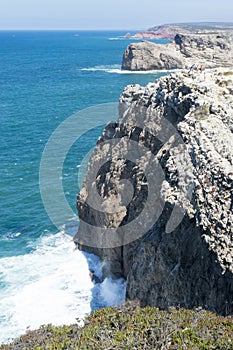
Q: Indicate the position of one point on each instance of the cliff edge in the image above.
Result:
(165, 178)
(210, 49)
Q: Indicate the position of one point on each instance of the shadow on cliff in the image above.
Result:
(178, 269)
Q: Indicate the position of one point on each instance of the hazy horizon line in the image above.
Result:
(73, 29)
(114, 29)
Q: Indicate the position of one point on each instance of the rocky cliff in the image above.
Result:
(210, 49)
(164, 177)
(169, 31)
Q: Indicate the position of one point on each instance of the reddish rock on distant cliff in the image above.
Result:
(169, 31)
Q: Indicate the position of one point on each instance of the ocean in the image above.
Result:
(45, 77)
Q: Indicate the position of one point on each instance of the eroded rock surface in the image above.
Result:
(208, 49)
(172, 148)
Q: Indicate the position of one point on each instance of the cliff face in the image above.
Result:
(208, 49)
(165, 178)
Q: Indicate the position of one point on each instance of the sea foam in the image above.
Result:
(51, 285)
(116, 68)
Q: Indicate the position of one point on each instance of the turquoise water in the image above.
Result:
(45, 77)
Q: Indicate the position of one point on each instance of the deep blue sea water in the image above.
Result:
(44, 78)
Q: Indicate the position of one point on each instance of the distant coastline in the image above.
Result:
(168, 31)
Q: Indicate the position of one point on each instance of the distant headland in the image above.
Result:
(169, 31)
(191, 45)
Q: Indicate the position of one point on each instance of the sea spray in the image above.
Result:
(109, 291)
(49, 285)
(52, 284)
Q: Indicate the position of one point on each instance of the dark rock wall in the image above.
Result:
(165, 222)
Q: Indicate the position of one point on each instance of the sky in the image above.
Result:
(109, 14)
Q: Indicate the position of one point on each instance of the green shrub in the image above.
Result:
(132, 327)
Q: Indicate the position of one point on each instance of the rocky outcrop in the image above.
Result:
(208, 49)
(169, 31)
(150, 56)
(164, 173)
